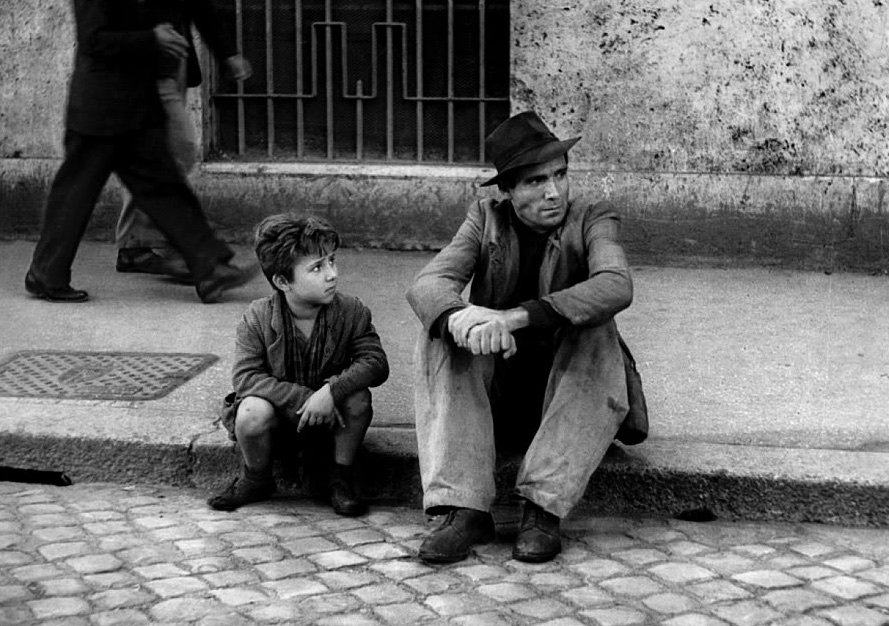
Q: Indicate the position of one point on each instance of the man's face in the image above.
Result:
(540, 196)
(313, 282)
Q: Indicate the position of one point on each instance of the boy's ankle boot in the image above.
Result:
(250, 486)
(344, 491)
(539, 538)
(460, 530)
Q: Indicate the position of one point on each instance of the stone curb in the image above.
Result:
(659, 478)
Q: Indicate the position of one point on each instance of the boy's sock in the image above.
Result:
(251, 486)
(344, 491)
(259, 475)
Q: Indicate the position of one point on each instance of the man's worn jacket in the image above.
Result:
(584, 274)
(352, 357)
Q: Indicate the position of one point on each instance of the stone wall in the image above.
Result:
(773, 87)
(745, 130)
(754, 128)
(36, 53)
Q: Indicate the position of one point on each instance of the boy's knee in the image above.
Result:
(357, 406)
(255, 416)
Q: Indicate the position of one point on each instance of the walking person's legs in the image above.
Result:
(147, 169)
(75, 189)
(141, 246)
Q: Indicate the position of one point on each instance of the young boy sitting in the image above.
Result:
(305, 358)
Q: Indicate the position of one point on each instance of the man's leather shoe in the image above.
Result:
(147, 261)
(54, 294)
(460, 530)
(539, 539)
(224, 277)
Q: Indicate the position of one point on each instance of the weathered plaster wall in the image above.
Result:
(797, 87)
(752, 129)
(36, 52)
(385, 211)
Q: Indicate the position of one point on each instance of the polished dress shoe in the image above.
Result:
(147, 261)
(224, 277)
(54, 294)
(538, 539)
(460, 530)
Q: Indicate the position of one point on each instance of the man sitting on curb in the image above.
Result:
(532, 362)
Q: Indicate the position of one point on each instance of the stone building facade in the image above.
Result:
(744, 130)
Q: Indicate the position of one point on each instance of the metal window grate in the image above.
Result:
(98, 375)
(374, 80)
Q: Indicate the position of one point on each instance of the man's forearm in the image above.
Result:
(516, 318)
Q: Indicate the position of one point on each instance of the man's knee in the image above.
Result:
(255, 416)
(358, 406)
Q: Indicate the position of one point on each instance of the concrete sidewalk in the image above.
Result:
(767, 389)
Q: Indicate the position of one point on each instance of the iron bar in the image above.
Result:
(473, 101)
(390, 78)
(239, 24)
(481, 80)
(450, 81)
(298, 26)
(328, 67)
(359, 121)
(303, 96)
(419, 74)
(270, 80)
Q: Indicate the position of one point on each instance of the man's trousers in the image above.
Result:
(583, 405)
(143, 162)
(134, 228)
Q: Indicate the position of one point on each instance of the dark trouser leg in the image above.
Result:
(134, 228)
(586, 400)
(147, 169)
(72, 197)
(517, 393)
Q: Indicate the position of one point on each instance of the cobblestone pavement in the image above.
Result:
(112, 554)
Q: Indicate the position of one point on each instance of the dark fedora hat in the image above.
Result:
(522, 140)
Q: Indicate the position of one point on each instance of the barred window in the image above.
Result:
(364, 80)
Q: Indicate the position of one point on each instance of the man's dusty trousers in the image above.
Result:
(455, 424)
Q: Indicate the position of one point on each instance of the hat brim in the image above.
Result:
(534, 156)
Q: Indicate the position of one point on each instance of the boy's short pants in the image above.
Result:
(286, 427)
(231, 403)
(295, 450)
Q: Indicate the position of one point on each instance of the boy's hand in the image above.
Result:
(319, 410)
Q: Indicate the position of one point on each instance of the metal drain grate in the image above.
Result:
(98, 375)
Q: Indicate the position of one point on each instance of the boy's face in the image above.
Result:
(313, 282)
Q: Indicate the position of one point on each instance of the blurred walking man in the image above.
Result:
(115, 123)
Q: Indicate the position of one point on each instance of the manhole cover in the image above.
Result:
(98, 375)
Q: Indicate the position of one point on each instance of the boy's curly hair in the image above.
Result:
(279, 239)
